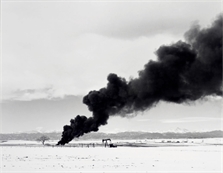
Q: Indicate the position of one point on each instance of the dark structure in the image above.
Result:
(111, 145)
(105, 141)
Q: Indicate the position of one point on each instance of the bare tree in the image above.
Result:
(43, 139)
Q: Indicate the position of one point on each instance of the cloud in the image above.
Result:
(192, 120)
(32, 94)
(145, 120)
(68, 20)
(85, 66)
(133, 20)
(71, 47)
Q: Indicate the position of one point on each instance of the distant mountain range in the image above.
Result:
(180, 130)
(120, 135)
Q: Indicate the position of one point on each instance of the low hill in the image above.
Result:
(120, 135)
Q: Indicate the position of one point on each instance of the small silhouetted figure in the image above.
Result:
(106, 141)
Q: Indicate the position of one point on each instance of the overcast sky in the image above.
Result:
(54, 53)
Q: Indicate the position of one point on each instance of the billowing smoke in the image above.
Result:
(183, 72)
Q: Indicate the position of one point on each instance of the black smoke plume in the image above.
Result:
(183, 72)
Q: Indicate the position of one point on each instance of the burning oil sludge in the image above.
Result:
(183, 72)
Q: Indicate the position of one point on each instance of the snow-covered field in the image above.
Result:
(201, 156)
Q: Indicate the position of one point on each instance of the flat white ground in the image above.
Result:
(171, 159)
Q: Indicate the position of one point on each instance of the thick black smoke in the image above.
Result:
(184, 71)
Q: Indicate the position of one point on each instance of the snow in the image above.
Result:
(174, 159)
